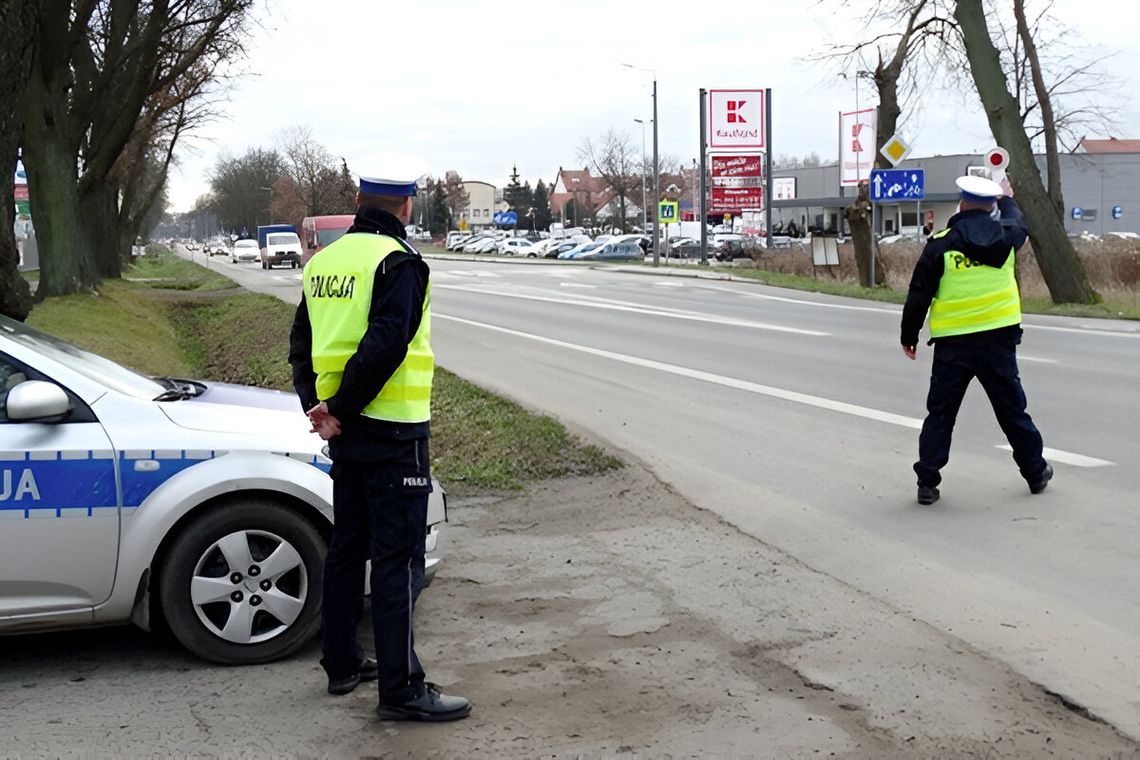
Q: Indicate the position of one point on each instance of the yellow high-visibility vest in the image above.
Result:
(338, 296)
(974, 297)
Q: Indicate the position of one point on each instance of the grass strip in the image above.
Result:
(480, 442)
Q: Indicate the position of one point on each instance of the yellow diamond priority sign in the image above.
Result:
(895, 150)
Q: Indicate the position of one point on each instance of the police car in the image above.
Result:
(124, 497)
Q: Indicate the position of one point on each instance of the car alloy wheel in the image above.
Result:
(249, 586)
(241, 582)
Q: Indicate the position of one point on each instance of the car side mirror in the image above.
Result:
(37, 401)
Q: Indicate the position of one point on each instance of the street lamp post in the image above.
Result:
(656, 170)
(644, 208)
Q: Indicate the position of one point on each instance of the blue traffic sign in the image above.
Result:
(892, 185)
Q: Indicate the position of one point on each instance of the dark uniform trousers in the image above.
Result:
(380, 513)
(993, 360)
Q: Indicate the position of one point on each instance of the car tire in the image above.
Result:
(275, 615)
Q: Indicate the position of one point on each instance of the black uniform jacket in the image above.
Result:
(398, 296)
(985, 241)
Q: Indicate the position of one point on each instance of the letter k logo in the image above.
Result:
(734, 108)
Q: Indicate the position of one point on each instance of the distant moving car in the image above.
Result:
(245, 250)
(215, 247)
(279, 244)
(126, 498)
(320, 231)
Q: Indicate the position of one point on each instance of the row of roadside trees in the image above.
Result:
(97, 95)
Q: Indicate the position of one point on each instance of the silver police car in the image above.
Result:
(123, 497)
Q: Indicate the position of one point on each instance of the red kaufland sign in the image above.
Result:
(736, 199)
(736, 119)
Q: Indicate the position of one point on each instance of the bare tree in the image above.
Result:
(896, 80)
(17, 28)
(1062, 270)
(314, 174)
(1057, 85)
(457, 195)
(615, 160)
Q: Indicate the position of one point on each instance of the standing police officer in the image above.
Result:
(965, 277)
(362, 363)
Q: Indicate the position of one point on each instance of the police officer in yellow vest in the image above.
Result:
(966, 278)
(362, 363)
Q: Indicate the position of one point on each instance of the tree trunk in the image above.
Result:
(858, 216)
(50, 158)
(17, 29)
(1062, 270)
(1049, 125)
(99, 209)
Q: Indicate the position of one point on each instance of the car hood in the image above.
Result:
(225, 408)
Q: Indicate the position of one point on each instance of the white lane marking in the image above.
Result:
(576, 285)
(1083, 330)
(635, 308)
(1038, 359)
(709, 377)
(667, 284)
(1068, 457)
(466, 273)
(803, 301)
(878, 415)
(1086, 330)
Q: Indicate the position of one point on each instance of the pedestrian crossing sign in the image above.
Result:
(667, 212)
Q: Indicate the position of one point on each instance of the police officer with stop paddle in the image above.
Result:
(966, 278)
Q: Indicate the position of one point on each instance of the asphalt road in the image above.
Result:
(794, 417)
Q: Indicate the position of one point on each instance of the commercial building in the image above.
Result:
(1100, 186)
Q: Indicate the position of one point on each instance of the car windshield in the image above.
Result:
(245, 244)
(92, 366)
(330, 236)
(285, 238)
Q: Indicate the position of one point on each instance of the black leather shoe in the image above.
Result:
(431, 706)
(1040, 484)
(927, 494)
(369, 671)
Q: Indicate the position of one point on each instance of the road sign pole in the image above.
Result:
(703, 206)
(768, 165)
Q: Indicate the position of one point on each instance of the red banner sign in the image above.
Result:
(21, 192)
(737, 166)
(735, 199)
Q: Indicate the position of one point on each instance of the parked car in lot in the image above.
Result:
(579, 249)
(625, 250)
(517, 247)
(481, 244)
(456, 240)
(561, 247)
(245, 250)
(125, 497)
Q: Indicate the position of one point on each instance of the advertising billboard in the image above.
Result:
(856, 145)
(737, 171)
(733, 200)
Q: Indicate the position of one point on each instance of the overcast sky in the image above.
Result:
(478, 87)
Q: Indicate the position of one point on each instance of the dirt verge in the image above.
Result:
(587, 617)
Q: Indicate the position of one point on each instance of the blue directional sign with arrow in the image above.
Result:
(893, 185)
